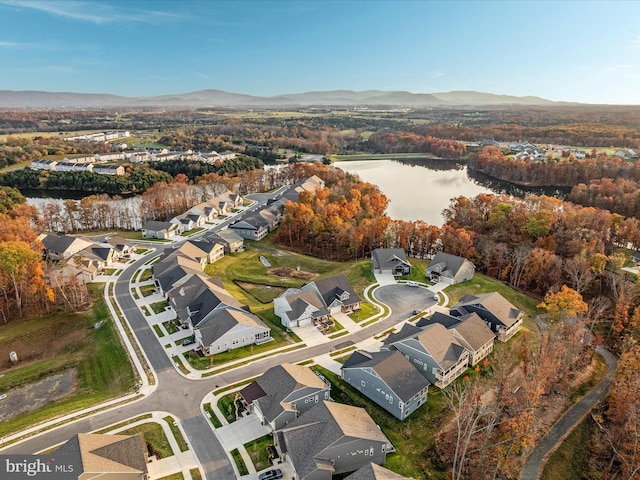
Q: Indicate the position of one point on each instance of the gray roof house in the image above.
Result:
(472, 332)
(390, 260)
(372, 471)
(283, 393)
(387, 378)
(227, 328)
(434, 351)
(331, 438)
(106, 456)
(172, 269)
(495, 310)
(62, 247)
(231, 241)
(337, 294)
(298, 308)
(450, 269)
(251, 227)
(161, 230)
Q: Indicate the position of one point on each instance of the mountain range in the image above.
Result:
(220, 98)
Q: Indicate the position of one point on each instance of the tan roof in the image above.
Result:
(441, 344)
(304, 376)
(474, 331)
(355, 422)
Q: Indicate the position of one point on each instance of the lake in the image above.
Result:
(417, 190)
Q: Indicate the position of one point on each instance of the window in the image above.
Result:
(362, 383)
(326, 395)
(366, 452)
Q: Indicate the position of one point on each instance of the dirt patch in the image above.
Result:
(288, 272)
(34, 396)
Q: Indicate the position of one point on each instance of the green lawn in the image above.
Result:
(257, 450)
(227, 407)
(147, 290)
(177, 434)
(366, 311)
(193, 232)
(170, 326)
(102, 364)
(174, 476)
(242, 468)
(195, 474)
(159, 307)
(158, 331)
(154, 436)
(412, 458)
(145, 275)
(212, 415)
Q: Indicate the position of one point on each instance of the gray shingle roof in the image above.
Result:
(217, 323)
(393, 368)
(494, 303)
(279, 382)
(407, 330)
(331, 288)
(385, 258)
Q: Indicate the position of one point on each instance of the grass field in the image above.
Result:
(570, 460)
(154, 435)
(65, 341)
(257, 450)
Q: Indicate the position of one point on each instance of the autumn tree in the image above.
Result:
(563, 303)
(21, 275)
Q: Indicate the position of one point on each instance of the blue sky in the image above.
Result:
(584, 51)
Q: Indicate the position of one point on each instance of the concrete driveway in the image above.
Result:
(385, 278)
(241, 431)
(403, 299)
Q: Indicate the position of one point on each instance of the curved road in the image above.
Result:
(181, 397)
(563, 427)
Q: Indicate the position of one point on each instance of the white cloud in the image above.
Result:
(15, 45)
(202, 75)
(94, 12)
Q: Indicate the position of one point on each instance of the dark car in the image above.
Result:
(415, 312)
(188, 341)
(269, 474)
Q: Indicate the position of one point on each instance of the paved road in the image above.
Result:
(563, 427)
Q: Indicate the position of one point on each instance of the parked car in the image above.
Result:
(415, 312)
(188, 341)
(270, 474)
(412, 284)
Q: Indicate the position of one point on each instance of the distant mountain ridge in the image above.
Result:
(219, 98)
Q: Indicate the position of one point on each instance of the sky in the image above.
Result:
(580, 51)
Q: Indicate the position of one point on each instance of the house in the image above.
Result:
(74, 167)
(331, 438)
(109, 156)
(62, 247)
(194, 296)
(470, 330)
(387, 378)
(201, 251)
(283, 393)
(337, 294)
(390, 260)
(160, 230)
(120, 246)
(297, 308)
(251, 227)
(450, 269)
(230, 240)
(309, 185)
(109, 169)
(433, 350)
(272, 214)
(371, 471)
(504, 319)
(626, 154)
(172, 269)
(230, 198)
(206, 210)
(189, 221)
(106, 456)
(635, 257)
(229, 328)
(40, 164)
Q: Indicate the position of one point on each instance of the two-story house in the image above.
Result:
(504, 319)
(330, 439)
(283, 393)
(390, 260)
(433, 350)
(297, 308)
(387, 378)
(450, 269)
